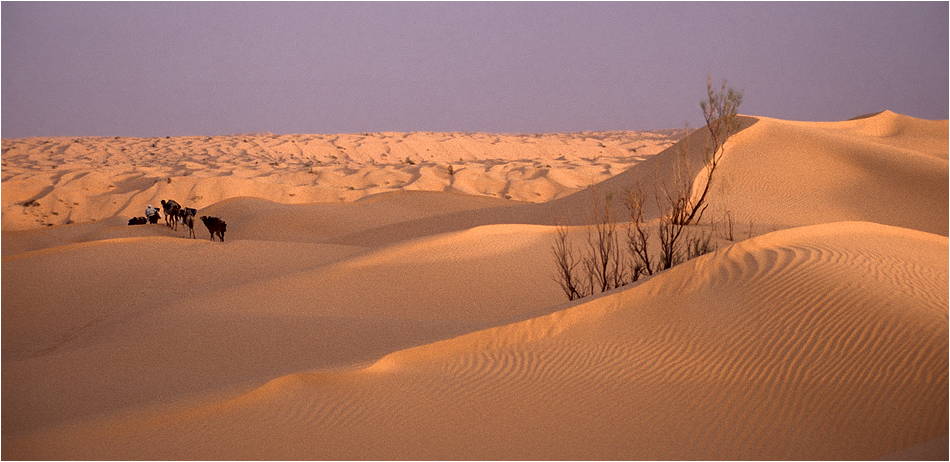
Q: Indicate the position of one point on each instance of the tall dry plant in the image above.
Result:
(638, 235)
(569, 275)
(680, 206)
(604, 266)
(670, 232)
(605, 259)
(720, 111)
(601, 264)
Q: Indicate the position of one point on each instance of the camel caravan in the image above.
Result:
(176, 215)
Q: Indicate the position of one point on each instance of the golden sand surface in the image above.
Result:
(390, 296)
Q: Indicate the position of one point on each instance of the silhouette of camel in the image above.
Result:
(188, 219)
(171, 209)
(215, 226)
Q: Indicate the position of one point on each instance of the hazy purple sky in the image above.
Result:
(158, 69)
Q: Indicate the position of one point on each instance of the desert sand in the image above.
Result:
(391, 296)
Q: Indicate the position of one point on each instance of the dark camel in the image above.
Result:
(172, 209)
(215, 226)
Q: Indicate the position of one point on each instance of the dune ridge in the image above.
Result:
(404, 323)
(774, 174)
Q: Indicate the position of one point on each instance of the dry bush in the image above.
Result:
(726, 228)
(638, 236)
(605, 259)
(604, 265)
(699, 245)
(720, 111)
(568, 274)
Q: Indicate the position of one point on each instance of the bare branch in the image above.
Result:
(638, 236)
(720, 110)
(567, 266)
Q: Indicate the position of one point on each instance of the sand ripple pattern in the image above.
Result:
(824, 342)
(784, 340)
(844, 329)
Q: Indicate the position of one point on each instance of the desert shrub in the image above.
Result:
(728, 229)
(638, 236)
(605, 260)
(699, 245)
(601, 264)
(569, 275)
(720, 111)
(604, 265)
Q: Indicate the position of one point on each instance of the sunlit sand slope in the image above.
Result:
(103, 325)
(774, 174)
(822, 342)
(888, 168)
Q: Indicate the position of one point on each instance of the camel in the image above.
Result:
(215, 226)
(188, 219)
(172, 210)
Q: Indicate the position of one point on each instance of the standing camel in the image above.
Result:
(172, 210)
(188, 219)
(215, 226)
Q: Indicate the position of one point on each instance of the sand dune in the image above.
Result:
(786, 337)
(775, 174)
(217, 302)
(889, 169)
(417, 319)
(55, 181)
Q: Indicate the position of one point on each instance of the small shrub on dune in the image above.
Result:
(638, 236)
(720, 111)
(605, 261)
(726, 228)
(603, 265)
(699, 245)
(569, 274)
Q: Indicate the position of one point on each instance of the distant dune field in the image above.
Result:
(390, 296)
(55, 181)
